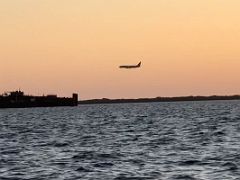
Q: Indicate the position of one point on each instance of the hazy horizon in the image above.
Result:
(61, 47)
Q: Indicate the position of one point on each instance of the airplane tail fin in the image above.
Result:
(139, 64)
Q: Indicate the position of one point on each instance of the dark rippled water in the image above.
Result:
(185, 140)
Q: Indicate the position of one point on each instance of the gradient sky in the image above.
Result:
(187, 47)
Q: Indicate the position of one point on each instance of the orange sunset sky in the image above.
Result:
(187, 47)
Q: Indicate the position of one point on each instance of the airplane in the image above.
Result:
(131, 66)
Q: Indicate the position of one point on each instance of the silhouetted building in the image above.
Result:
(17, 99)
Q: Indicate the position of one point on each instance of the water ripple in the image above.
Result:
(184, 140)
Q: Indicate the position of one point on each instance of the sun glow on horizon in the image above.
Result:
(186, 47)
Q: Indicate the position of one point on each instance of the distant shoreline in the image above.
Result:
(160, 99)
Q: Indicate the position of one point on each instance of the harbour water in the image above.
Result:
(183, 140)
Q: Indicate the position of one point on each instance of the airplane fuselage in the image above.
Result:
(131, 66)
